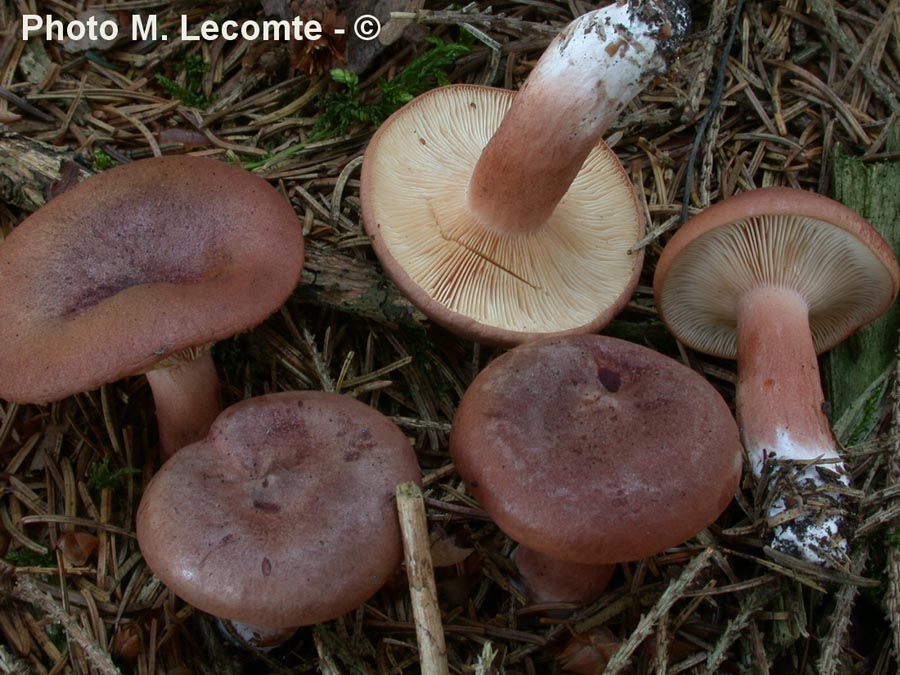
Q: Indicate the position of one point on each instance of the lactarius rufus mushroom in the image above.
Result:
(139, 270)
(284, 515)
(591, 451)
(772, 277)
(504, 216)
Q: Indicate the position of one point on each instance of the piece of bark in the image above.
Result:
(871, 189)
(29, 169)
(354, 286)
(31, 172)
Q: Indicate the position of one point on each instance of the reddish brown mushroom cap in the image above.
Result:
(595, 450)
(284, 515)
(137, 263)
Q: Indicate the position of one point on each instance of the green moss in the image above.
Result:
(103, 161)
(25, 557)
(345, 107)
(893, 539)
(190, 93)
(101, 476)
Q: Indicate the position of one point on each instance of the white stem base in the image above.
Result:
(821, 536)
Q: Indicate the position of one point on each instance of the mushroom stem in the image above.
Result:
(580, 85)
(779, 392)
(781, 418)
(549, 579)
(187, 401)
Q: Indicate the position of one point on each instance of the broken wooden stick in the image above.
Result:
(422, 588)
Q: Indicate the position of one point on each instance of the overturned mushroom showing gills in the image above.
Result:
(139, 270)
(772, 277)
(284, 515)
(593, 450)
(504, 216)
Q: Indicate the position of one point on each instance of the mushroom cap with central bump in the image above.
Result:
(285, 514)
(595, 450)
(776, 237)
(135, 264)
(573, 274)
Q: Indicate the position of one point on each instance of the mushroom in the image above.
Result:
(504, 216)
(772, 277)
(284, 514)
(139, 270)
(591, 450)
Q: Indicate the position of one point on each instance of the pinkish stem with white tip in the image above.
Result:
(578, 88)
(780, 413)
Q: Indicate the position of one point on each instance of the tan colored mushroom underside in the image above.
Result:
(574, 273)
(843, 281)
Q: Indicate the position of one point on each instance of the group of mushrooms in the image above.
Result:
(507, 220)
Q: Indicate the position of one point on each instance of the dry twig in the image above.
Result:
(419, 570)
